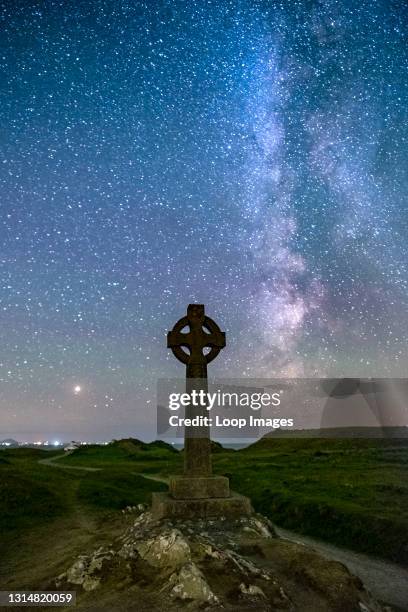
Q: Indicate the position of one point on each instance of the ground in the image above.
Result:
(348, 492)
(218, 564)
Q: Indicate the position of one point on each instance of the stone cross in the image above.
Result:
(197, 493)
(202, 333)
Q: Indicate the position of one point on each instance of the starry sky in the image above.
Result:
(249, 155)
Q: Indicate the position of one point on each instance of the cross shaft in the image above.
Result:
(197, 448)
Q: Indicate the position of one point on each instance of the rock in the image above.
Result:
(90, 583)
(97, 561)
(217, 562)
(142, 520)
(76, 573)
(245, 566)
(259, 527)
(80, 574)
(252, 590)
(203, 549)
(168, 549)
(85, 571)
(189, 583)
(127, 551)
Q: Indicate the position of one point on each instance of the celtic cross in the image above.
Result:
(188, 347)
(203, 333)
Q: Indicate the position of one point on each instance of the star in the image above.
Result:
(250, 156)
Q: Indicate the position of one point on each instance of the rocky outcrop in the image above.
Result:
(190, 584)
(230, 565)
(86, 570)
(167, 549)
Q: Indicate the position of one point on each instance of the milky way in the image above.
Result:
(248, 155)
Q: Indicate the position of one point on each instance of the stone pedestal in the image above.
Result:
(198, 487)
(199, 497)
(165, 506)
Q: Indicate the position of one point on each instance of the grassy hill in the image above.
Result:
(350, 491)
(49, 514)
(33, 492)
(353, 492)
(142, 455)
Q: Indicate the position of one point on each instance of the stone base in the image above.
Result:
(165, 506)
(202, 487)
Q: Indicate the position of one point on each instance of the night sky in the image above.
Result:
(248, 155)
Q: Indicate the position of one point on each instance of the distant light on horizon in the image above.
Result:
(77, 389)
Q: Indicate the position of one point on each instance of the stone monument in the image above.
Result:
(197, 493)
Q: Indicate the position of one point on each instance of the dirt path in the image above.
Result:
(49, 546)
(51, 462)
(387, 581)
(82, 518)
(153, 477)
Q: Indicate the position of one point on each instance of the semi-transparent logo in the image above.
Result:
(252, 408)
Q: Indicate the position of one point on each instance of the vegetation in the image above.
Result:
(353, 492)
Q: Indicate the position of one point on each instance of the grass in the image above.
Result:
(350, 492)
(28, 492)
(114, 490)
(31, 492)
(49, 515)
